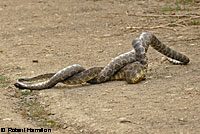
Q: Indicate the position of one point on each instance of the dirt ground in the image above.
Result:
(43, 36)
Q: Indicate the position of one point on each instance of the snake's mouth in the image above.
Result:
(140, 77)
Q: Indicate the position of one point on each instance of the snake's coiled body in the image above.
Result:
(130, 66)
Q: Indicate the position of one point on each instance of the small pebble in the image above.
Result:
(7, 119)
(35, 61)
(163, 59)
(124, 120)
(65, 126)
(107, 109)
(168, 76)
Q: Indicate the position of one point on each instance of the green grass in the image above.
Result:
(25, 93)
(2, 78)
(184, 1)
(169, 8)
(194, 22)
(4, 85)
(187, 1)
(33, 110)
(4, 82)
(176, 8)
(178, 5)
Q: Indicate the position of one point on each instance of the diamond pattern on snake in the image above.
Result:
(131, 67)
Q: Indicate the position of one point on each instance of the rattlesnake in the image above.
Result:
(130, 66)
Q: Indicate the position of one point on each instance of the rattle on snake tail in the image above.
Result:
(131, 66)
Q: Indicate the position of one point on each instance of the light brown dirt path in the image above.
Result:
(8, 116)
(59, 33)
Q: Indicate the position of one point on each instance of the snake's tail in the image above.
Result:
(42, 77)
(173, 61)
(51, 82)
(34, 82)
(173, 56)
(35, 86)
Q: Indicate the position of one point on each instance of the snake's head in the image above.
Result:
(18, 85)
(135, 75)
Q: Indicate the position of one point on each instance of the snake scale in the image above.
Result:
(131, 66)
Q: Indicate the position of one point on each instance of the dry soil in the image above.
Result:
(43, 36)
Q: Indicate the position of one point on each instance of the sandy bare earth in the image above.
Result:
(43, 36)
